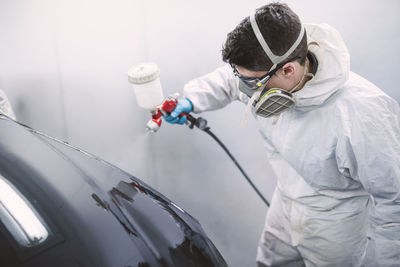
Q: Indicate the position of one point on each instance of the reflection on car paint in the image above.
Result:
(20, 218)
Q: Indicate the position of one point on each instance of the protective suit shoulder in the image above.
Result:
(5, 106)
(366, 99)
(365, 110)
(212, 91)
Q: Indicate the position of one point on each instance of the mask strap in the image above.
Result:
(274, 58)
(305, 74)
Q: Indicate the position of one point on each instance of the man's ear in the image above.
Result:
(288, 69)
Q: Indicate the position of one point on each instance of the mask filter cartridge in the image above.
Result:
(273, 102)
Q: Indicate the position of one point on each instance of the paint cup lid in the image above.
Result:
(143, 73)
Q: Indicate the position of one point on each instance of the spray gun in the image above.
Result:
(166, 107)
(145, 79)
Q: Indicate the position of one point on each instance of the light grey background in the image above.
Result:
(64, 63)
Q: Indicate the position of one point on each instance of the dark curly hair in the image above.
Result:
(280, 27)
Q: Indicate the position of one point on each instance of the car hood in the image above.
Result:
(162, 233)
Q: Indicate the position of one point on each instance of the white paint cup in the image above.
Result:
(145, 78)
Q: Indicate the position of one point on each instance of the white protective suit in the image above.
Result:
(336, 156)
(5, 106)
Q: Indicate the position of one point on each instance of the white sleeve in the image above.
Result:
(5, 106)
(212, 91)
(370, 152)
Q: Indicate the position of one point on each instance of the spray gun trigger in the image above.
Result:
(190, 120)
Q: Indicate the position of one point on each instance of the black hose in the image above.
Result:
(202, 125)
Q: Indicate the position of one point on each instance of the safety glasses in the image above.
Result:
(253, 82)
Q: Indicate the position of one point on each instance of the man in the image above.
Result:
(5, 107)
(333, 140)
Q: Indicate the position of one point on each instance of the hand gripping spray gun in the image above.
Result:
(145, 79)
(166, 107)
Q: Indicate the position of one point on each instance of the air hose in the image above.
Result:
(201, 123)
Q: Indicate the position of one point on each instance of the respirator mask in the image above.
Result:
(269, 102)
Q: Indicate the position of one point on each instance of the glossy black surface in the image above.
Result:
(98, 215)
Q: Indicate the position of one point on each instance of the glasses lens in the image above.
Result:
(250, 82)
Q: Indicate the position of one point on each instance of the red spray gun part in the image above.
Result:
(165, 109)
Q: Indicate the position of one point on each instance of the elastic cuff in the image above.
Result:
(191, 104)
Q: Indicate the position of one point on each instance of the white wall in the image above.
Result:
(64, 63)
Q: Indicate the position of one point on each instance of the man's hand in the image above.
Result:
(184, 106)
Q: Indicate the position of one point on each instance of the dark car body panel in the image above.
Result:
(97, 214)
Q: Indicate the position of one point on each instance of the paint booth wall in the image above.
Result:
(63, 65)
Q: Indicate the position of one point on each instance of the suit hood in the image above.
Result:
(333, 65)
